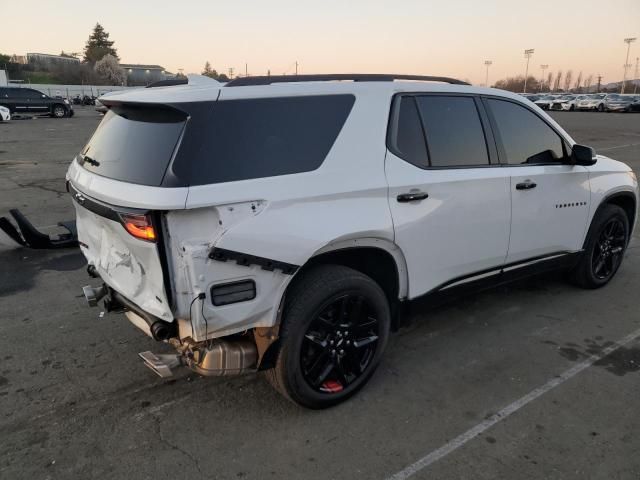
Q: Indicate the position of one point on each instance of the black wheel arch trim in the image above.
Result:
(608, 200)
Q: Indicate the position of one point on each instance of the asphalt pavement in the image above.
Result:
(536, 380)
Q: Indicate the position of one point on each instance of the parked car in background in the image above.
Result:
(619, 103)
(545, 101)
(100, 107)
(564, 102)
(5, 114)
(282, 227)
(531, 97)
(33, 102)
(593, 101)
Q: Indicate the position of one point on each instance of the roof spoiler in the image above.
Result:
(190, 79)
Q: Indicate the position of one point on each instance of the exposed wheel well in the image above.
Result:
(373, 262)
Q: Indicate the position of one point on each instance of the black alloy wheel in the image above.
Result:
(334, 330)
(339, 344)
(609, 248)
(604, 247)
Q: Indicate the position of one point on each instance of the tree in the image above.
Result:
(567, 80)
(98, 45)
(110, 70)
(578, 85)
(556, 84)
(69, 55)
(549, 80)
(587, 83)
(515, 84)
(213, 73)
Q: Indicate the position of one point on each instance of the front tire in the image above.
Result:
(335, 328)
(59, 111)
(604, 248)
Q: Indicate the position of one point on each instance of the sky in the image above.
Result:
(425, 37)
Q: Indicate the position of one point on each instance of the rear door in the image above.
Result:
(449, 198)
(549, 197)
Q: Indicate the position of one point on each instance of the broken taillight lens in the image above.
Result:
(139, 226)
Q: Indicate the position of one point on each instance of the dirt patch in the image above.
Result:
(620, 362)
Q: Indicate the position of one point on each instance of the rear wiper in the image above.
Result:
(89, 160)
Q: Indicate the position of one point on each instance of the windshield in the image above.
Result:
(134, 144)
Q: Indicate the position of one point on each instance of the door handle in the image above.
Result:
(412, 197)
(526, 185)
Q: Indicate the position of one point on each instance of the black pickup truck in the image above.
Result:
(33, 102)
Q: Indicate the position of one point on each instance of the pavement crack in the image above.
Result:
(172, 446)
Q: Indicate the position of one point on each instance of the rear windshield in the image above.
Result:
(264, 137)
(134, 144)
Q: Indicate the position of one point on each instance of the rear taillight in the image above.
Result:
(139, 226)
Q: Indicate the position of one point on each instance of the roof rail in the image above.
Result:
(356, 77)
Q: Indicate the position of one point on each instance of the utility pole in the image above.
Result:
(296, 67)
(487, 63)
(543, 68)
(230, 72)
(527, 54)
(628, 41)
(246, 70)
(269, 73)
(635, 77)
(599, 82)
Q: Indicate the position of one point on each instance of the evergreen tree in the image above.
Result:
(99, 45)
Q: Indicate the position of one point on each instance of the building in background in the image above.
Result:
(48, 60)
(138, 75)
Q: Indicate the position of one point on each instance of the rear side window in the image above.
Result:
(134, 144)
(409, 137)
(454, 132)
(265, 137)
(525, 137)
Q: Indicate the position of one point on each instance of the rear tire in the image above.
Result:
(335, 328)
(601, 108)
(604, 248)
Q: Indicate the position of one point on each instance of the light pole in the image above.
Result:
(487, 63)
(628, 41)
(635, 77)
(543, 68)
(527, 54)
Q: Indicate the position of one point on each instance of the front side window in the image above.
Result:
(32, 94)
(525, 137)
(454, 133)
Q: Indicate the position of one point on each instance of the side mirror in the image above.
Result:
(582, 155)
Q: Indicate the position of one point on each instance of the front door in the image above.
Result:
(450, 205)
(549, 197)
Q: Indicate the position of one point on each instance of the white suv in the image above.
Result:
(282, 223)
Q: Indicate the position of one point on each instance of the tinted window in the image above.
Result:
(526, 138)
(409, 140)
(264, 137)
(134, 144)
(453, 130)
(32, 93)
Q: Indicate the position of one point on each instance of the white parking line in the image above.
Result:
(470, 434)
(618, 146)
